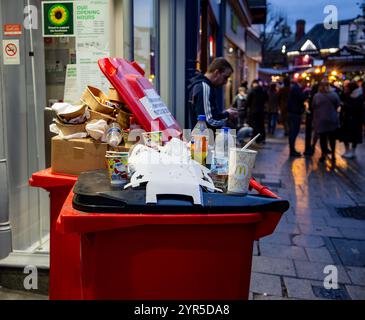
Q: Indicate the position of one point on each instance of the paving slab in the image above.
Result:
(319, 255)
(306, 219)
(265, 284)
(308, 241)
(282, 251)
(357, 275)
(299, 288)
(285, 227)
(352, 233)
(277, 238)
(345, 223)
(351, 252)
(319, 230)
(273, 266)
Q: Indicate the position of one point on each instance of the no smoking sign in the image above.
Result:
(11, 51)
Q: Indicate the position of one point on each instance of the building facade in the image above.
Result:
(169, 39)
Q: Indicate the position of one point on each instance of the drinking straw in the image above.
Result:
(250, 142)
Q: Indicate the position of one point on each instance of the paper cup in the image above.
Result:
(152, 139)
(241, 164)
(117, 167)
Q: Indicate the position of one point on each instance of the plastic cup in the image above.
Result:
(152, 139)
(241, 163)
(117, 167)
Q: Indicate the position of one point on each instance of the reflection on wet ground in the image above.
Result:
(312, 233)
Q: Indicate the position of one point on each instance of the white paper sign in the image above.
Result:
(71, 93)
(92, 42)
(159, 108)
(11, 51)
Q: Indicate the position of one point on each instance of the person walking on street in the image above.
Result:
(256, 101)
(239, 104)
(325, 117)
(351, 119)
(202, 95)
(283, 104)
(295, 110)
(273, 108)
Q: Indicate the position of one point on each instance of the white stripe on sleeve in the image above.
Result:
(207, 108)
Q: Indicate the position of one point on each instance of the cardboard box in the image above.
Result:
(77, 155)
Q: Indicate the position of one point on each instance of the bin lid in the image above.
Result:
(141, 97)
(93, 193)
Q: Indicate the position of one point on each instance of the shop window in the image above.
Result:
(146, 37)
(59, 52)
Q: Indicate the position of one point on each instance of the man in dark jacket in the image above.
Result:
(202, 96)
(256, 100)
(295, 110)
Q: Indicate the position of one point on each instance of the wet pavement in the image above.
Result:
(325, 225)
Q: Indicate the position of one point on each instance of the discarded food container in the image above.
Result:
(96, 99)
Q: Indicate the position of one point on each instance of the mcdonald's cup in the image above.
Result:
(241, 163)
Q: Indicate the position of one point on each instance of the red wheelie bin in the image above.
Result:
(64, 273)
(185, 253)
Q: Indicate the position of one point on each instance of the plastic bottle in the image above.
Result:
(200, 140)
(220, 163)
(224, 141)
(114, 135)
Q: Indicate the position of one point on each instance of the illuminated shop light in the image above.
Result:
(211, 46)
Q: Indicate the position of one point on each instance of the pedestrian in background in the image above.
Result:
(256, 101)
(273, 108)
(295, 111)
(325, 118)
(239, 104)
(202, 95)
(283, 104)
(351, 119)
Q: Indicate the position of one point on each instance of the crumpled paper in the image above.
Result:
(97, 129)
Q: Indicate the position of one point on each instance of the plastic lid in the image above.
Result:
(202, 117)
(225, 129)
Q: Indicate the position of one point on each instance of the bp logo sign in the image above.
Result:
(58, 18)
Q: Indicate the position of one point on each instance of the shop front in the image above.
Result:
(234, 52)
(347, 63)
(56, 65)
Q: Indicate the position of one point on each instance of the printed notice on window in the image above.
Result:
(92, 42)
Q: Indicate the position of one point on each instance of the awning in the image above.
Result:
(275, 72)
